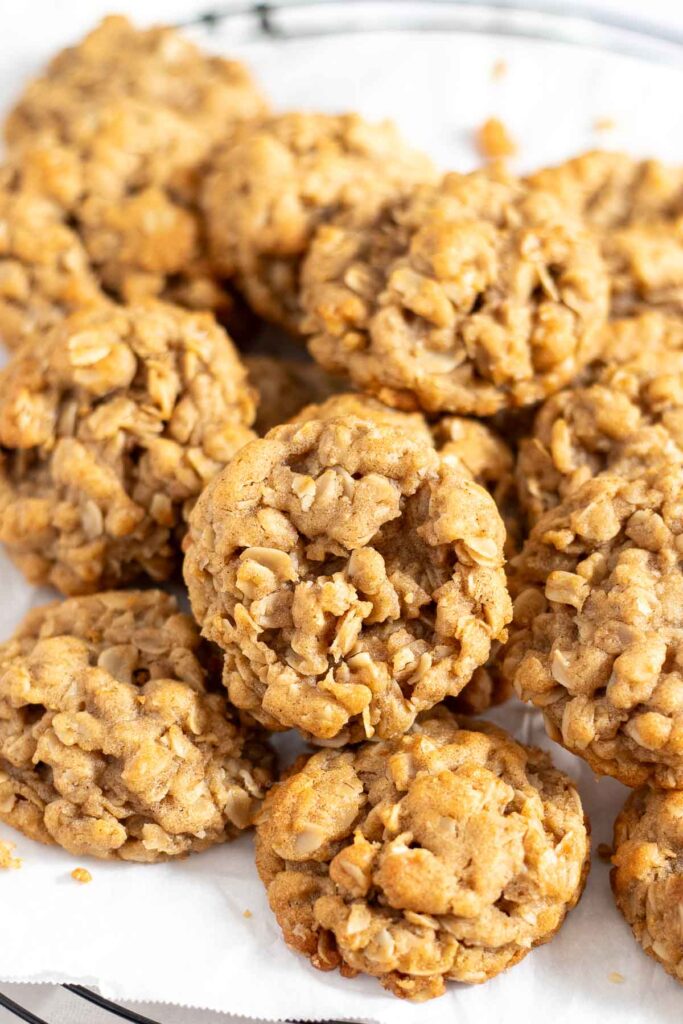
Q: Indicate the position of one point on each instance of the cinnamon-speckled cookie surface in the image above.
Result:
(598, 625)
(110, 426)
(117, 129)
(352, 576)
(267, 191)
(471, 296)
(647, 878)
(110, 743)
(447, 854)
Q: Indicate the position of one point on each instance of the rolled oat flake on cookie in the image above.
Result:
(352, 576)
(446, 854)
(111, 745)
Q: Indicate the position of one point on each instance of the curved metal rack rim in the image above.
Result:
(584, 25)
(616, 33)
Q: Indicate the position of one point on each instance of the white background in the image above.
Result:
(557, 989)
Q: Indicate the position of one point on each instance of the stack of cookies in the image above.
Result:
(473, 487)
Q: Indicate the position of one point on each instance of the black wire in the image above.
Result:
(105, 1004)
(20, 1011)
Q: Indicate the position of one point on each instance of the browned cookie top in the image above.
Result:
(109, 429)
(446, 854)
(647, 879)
(471, 296)
(352, 577)
(277, 181)
(110, 744)
(626, 417)
(598, 624)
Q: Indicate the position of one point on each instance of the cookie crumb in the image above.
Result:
(81, 875)
(604, 124)
(605, 852)
(247, 914)
(616, 978)
(494, 140)
(8, 861)
(499, 69)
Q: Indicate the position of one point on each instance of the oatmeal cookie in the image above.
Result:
(365, 407)
(270, 188)
(44, 269)
(613, 190)
(119, 128)
(476, 452)
(284, 387)
(647, 878)
(628, 419)
(471, 296)
(156, 65)
(482, 454)
(446, 854)
(598, 628)
(110, 743)
(637, 208)
(109, 429)
(645, 262)
(352, 577)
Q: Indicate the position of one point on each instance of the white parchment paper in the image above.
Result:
(177, 933)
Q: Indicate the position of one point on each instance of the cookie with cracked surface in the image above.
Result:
(597, 624)
(118, 129)
(352, 577)
(109, 429)
(446, 854)
(284, 387)
(471, 296)
(110, 743)
(613, 190)
(636, 206)
(44, 270)
(156, 65)
(647, 877)
(269, 189)
(629, 417)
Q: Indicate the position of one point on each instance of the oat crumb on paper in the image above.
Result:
(604, 124)
(247, 914)
(81, 875)
(616, 978)
(494, 141)
(499, 69)
(7, 859)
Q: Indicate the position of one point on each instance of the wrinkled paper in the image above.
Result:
(178, 933)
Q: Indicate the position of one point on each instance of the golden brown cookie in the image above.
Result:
(284, 387)
(365, 407)
(267, 192)
(44, 269)
(647, 878)
(637, 208)
(110, 743)
(613, 190)
(597, 625)
(110, 426)
(352, 577)
(471, 296)
(118, 128)
(156, 65)
(447, 854)
(629, 417)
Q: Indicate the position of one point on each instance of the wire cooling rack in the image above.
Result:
(292, 19)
